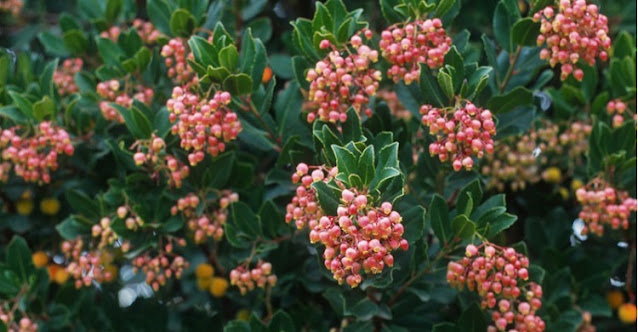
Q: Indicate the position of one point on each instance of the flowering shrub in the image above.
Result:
(411, 165)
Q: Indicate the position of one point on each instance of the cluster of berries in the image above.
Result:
(176, 53)
(24, 325)
(163, 266)
(247, 279)
(577, 32)
(205, 125)
(11, 6)
(396, 108)
(146, 31)
(57, 273)
(84, 266)
(206, 222)
(206, 280)
(460, 133)
(360, 236)
(500, 277)
(33, 157)
(111, 93)
(64, 76)
(152, 154)
(304, 208)
(107, 235)
(343, 79)
(407, 45)
(604, 205)
(517, 161)
(574, 141)
(617, 108)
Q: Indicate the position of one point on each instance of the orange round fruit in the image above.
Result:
(267, 75)
(627, 313)
(218, 286)
(40, 259)
(615, 298)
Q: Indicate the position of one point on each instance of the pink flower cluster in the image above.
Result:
(343, 79)
(304, 208)
(577, 32)
(618, 109)
(146, 31)
(110, 92)
(212, 218)
(84, 266)
(407, 45)
(204, 125)
(604, 205)
(176, 54)
(247, 279)
(11, 6)
(460, 133)
(152, 154)
(163, 266)
(64, 77)
(107, 235)
(24, 325)
(360, 236)
(500, 277)
(34, 155)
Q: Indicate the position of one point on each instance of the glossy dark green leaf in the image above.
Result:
(439, 218)
(19, 258)
(525, 31)
(182, 23)
(328, 200)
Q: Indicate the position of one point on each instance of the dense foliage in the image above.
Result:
(401, 165)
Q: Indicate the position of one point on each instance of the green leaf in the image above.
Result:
(245, 220)
(462, 227)
(228, 57)
(182, 23)
(203, 51)
(446, 84)
(81, 203)
(505, 15)
(19, 258)
(454, 59)
(328, 200)
(501, 223)
(443, 7)
(46, 78)
(218, 173)
(75, 41)
(472, 319)
(430, 88)
(70, 228)
(439, 218)
(414, 223)
(351, 129)
(43, 108)
(261, 28)
(366, 165)
(13, 113)
(23, 104)
(110, 52)
(281, 322)
(53, 45)
(238, 84)
(525, 31)
(113, 9)
(346, 160)
(518, 97)
(471, 194)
